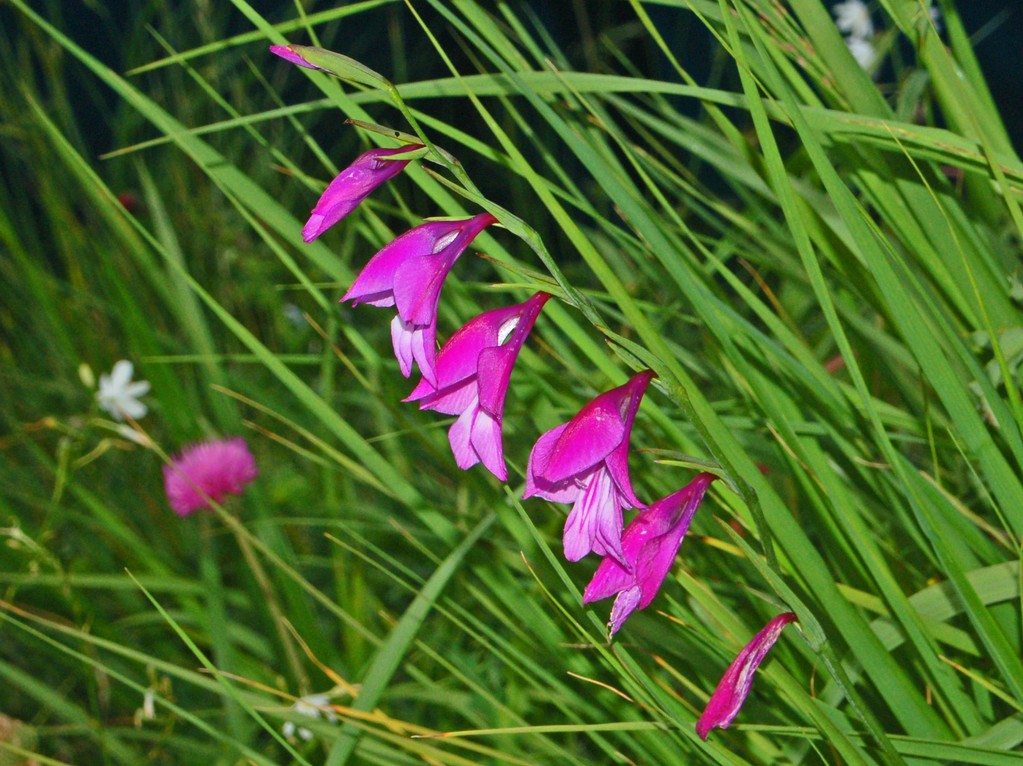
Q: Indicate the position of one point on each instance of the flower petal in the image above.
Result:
(587, 439)
(417, 285)
(459, 436)
(120, 376)
(401, 340)
(375, 285)
(624, 606)
(540, 456)
(595, 522)
(486, 441)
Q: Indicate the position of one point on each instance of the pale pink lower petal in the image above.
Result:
(486, 441)
(594, 520)
(459, 436)
(624, 605)
(401, 339)
(735, 685)
(424, 351)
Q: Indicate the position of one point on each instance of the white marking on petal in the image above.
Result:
(445, 240)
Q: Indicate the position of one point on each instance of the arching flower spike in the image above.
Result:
(473, 371)
(409, 274)
(649, 544)
(586, 462)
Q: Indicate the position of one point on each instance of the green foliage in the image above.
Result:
(822, 267)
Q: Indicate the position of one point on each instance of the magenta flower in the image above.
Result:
(409, 274)
(207, 471)
(351, 186)
(737, 681)
(288, 53)
(649, 544)
(586, 462)
(473, 370)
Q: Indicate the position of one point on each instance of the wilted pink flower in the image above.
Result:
(208, 471)
(288, 53)
(586, 462)
(409, 274)
(473, 371)
(650, 544)
(351, 186)
(735, 685)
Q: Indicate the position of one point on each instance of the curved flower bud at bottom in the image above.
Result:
(735, 685)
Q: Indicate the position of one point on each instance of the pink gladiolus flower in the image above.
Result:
(288, 53)
(735, 685)
(351, 186)
(473, 370)
(586, 462)
(208, 471)
(650, 544)
(409, 274)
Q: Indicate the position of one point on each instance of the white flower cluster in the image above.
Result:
(852, 18)
(313, 706)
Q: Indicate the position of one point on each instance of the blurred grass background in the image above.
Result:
(823, 267)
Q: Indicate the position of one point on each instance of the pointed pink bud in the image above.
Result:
(473, 371)
(649, 545)
(351, 186)
(586, 462)
(735, 685)
(288, 53)
(409, 274)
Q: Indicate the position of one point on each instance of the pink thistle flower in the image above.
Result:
(288, 53)
(586, 462)
(735, 685)
(650, 545)
(409, 274)
(351, 186)
(207, 471)
(473, 371)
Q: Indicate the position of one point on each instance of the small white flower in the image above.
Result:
(119, 396)
(862, 50)
(853, 18)
(313, 706)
